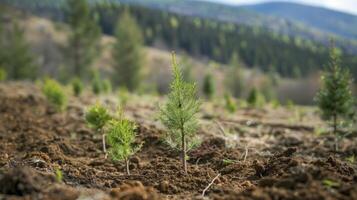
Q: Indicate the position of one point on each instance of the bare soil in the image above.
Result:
(260, 154)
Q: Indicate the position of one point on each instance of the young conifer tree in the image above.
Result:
(128, 53)
(179, 115)
(234, 79)
(97, 117)
(209, 86)
(17, 60)
(335, 98)
(121, 138)
(84, 40)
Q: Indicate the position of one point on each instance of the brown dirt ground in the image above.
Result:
(285, 159)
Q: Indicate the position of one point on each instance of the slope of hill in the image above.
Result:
(326, 20)
(308, 22)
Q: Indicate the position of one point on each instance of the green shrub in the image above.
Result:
(121, 138)
(179, 115)
(77, 87)
(55, 94)
(3, 74)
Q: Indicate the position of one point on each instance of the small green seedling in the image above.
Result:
(3, 74)
(55, 94)
(123, 96)
(59, 176)
(107, 86)
(179, 115)
(351, 159)
(229, 161)
(208, 87)
(255, 98)
(97, 117)
(330, 183)
(121, 138)
(77, 87)
(230, 105)
(96, 83)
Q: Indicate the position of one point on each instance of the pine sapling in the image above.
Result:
(96, 84)
(209, 86)
(97, 117)
(121, 138)
(77, 87)
(230, 105)
(335, 98)
(107, 86)
(55, 94)
(179, 115)
(3, 74)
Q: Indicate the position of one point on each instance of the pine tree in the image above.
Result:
(17, 60)
(234, 77)
(255, 98)
(97, 116)
(121, 138)
(209, 86)
(179, 115)
(335, 98)
(84, 41)
(127, 53)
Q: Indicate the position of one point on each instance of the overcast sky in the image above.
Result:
(342, 5)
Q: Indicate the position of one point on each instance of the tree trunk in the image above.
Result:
(183, 151)
(127, 166)
(104, 146)
(335, 131)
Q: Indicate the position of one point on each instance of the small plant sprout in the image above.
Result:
(59, 175)
(230, 105)
(335, 98)
(255, 98)
(3, 74)
(179, 115)
(209, 86)
(96, 83)
(97, 117)
(55, 94)
(107, 86)
(77, 87)
(123, 96)
(121, 138)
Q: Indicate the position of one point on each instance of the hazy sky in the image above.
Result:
(342, 5)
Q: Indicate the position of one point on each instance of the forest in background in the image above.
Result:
(290, 56)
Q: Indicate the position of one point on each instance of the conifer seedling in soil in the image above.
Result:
(335, 98)
(97, 117)
(55, 94)
(179, 115)
(77, 86)
(121, 138)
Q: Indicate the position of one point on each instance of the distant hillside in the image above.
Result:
(308, 22)
(327, 20)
